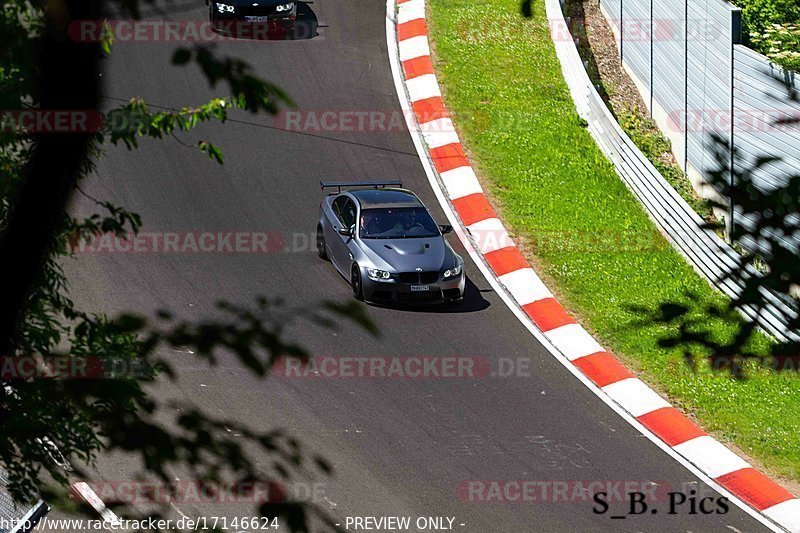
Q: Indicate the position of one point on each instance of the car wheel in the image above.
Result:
(321, 251)
(355, 282)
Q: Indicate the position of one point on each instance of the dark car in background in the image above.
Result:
(247, 17)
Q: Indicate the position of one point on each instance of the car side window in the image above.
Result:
(338, 208)
(349, 213)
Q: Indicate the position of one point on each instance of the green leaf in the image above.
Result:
(212, 151)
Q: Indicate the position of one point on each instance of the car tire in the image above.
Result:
(322, 252)
(355, 283)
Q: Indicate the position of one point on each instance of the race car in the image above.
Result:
(244, 17)
(382, 239)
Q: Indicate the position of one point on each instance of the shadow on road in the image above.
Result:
(473, 301)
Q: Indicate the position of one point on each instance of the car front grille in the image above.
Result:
(418, 277)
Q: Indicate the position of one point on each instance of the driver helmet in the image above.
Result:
(408, 219)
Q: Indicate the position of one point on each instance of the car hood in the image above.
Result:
(406, 255)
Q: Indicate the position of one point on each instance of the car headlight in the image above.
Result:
(284, 7)
(453, 272)
(225, 8)
(378, 275)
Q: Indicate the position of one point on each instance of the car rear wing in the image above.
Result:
(373, 184)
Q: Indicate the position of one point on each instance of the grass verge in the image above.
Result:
(579, 223)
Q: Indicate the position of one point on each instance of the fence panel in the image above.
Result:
(637, 24)
(669, 67)
(613, 12)
(700, 83)
(710, 66)
(764, 96)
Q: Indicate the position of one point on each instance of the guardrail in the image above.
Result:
(710, 256)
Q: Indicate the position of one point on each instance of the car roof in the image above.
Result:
(369, 198)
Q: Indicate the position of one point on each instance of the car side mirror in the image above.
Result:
(445, 228)
(347, 232)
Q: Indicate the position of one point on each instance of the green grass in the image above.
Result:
(591, 238)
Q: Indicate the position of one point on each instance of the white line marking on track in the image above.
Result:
(711, 455)
(462, 182)
(635, 397)
(86, 492)
(786, 513)
(440, 132)
(414, 47)
(411, 10)
(423, 87)
(525, 286)
(573, 341)
(489, 234)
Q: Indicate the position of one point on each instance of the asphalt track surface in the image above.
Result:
(399, 447)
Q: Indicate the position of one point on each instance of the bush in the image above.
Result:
(781, 43)
(772, 26)
(758, 15)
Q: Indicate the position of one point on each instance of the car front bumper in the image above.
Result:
(253, 18)
(394, 292)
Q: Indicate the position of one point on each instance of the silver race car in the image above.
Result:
(382, 238)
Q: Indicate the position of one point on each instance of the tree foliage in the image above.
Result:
(781, 43)
(48, 423)
(771, 26)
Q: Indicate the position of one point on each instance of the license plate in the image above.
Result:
(256, 19)
(420, 288)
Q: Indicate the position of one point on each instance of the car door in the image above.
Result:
(344, 210)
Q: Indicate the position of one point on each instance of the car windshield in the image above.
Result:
(397, 223)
